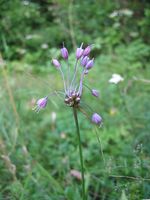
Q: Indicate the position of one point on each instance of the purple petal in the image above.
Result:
(86, 51)
(64, 53)
(96, 119)
(95, 93)
(84, 61)
(56, 63)
(90, 64)
(41, 103)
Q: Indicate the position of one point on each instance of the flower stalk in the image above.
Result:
(80, 151)
(73, 90)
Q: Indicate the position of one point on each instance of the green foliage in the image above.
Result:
(37, 151)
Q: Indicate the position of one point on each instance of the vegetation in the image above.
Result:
(38, 151)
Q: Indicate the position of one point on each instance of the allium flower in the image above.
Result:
(96, 119)
(72, 95)
(95, 93)
(87, 51)
(41, 104)
(79, 52)
(56, 63)
(64, 53)
(73, 89)
(84, 61)
(116, 78)
(90, 64)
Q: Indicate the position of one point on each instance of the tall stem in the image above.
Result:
(80, 151)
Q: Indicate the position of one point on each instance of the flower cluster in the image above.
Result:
(73, 89)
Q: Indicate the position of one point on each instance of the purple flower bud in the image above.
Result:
(96, 119)
(90, 64)
(79, 52)
(56, 63)
(86, 51)
(41, 103)
(95, 93)
(64, 53)
(84, 61)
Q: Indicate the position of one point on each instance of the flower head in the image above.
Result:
(79, 52)
(64, 53)
(41, 104)
(90, 64)
(56, 63)
(116, 78)
(95, 93)
(87, 51)
(84, 61)
(96, 119)
(73, 89)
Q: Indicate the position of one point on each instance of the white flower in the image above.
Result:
(53, 117)
(28, 37)
(44, 46)
(114, 14)
(26, 3)
(122, 12)
(126, 12)
(116, 78)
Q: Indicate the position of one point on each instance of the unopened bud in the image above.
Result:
(79, 52)
(84, 61)
(64, 53)
(56, 63)
(90, 64)
(95, 93)
(86, 51)
(96, 119)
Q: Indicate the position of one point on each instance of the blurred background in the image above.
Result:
(39, 151)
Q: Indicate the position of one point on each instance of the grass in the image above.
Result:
(38, 152)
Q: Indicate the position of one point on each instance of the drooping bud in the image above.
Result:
(96, 119)
(56, 63)
(84, 61)
(86, 51)
(90, 64)
(95, 93)
(41, 103)
(64, 53)
(79, 52)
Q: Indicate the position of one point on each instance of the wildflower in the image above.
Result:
(96, 119)
(53, 117)
(73, 90)
(64, 53)
(56, 63)
(29, 37)
(90, 64)
(116, 78)
(76, 174)
(63, 135)
(26, 3)
(79, 52)
(95, 93)
(44, 46)
(84, 61)
(41, 104)
(86, 51)
(72, 95)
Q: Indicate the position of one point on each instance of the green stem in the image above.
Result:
(80, 151)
